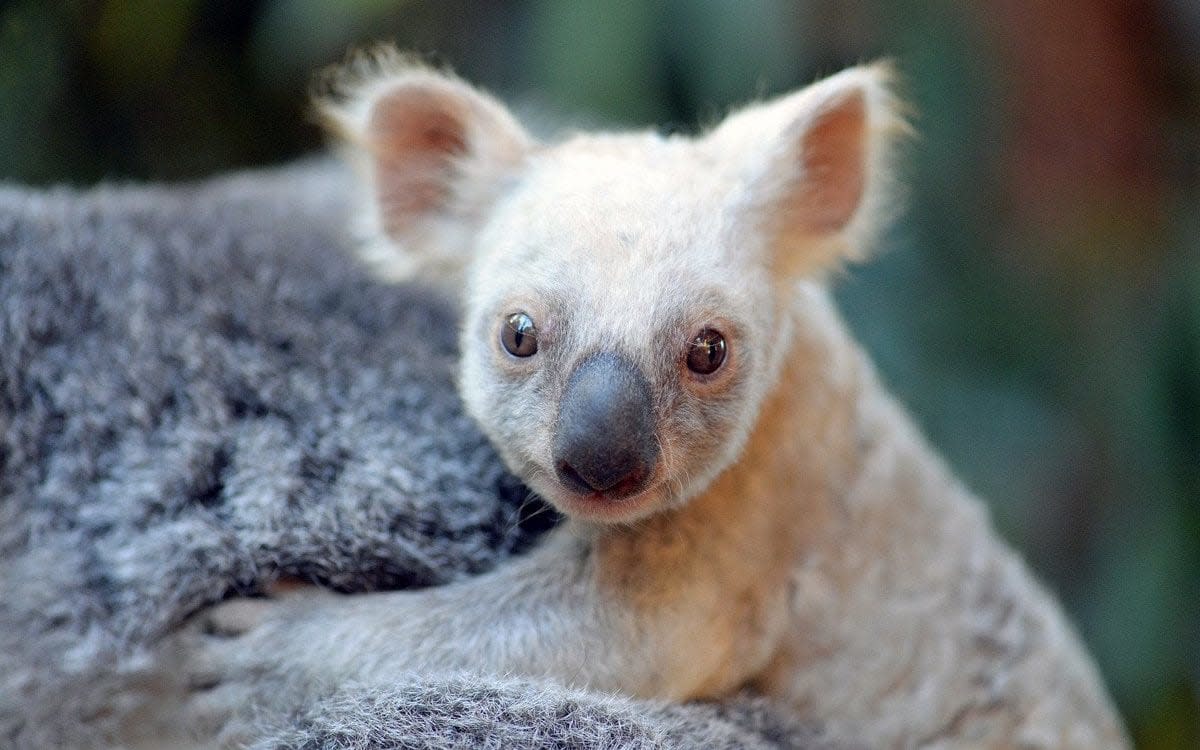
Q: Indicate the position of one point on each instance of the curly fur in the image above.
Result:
(464, 712)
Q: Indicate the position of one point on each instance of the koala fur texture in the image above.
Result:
(649, 344)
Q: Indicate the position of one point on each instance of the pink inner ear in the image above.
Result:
(833, 166)
(414, 135)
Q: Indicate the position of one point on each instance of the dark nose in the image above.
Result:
(605, 436)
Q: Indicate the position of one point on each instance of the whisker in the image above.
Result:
(530, 498)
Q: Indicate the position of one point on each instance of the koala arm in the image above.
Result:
(539, 616)
(551, 614)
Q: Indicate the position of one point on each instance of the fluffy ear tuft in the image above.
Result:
(814, 167)
(437, 151)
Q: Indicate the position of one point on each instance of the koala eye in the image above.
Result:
(706, 353)
(519, 335)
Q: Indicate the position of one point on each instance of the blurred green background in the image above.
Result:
(1038, 306)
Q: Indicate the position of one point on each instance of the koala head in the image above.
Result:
(626, 296)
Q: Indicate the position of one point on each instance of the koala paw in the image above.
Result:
(243, 660)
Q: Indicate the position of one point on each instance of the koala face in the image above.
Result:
(617, 331)
(626, 297)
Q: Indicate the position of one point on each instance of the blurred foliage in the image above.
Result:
(1038, 307)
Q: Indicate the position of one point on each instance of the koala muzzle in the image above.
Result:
(604, 441)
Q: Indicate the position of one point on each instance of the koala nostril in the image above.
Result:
(615, 483)
(568, 476)
(631, 483)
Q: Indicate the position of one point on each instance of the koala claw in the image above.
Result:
(230, 663)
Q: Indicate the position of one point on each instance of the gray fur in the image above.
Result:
(200, 392)
(464, 712)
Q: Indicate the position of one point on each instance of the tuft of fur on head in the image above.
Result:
(627, 244)
(416, 220)
(769, 176)
(342, 93)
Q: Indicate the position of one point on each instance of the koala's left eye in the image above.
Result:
(707, 351)
(519, 335)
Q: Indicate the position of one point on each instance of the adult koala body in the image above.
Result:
(649, 342)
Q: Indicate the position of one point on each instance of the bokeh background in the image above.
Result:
(1037, 307)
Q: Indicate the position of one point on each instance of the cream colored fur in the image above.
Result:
(798, 534)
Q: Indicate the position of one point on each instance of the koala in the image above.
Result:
(649, 341)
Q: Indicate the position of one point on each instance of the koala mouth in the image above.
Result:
(632, 497)
(611, 506)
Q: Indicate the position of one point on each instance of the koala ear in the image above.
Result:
(812, 168)
(437, 152)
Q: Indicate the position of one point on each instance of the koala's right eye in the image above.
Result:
(519, 336)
